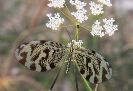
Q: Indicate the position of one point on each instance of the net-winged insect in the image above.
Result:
(45, 55)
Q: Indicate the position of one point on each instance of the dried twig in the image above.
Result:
(96, 87)
(39, 11)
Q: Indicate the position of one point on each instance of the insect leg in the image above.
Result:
(56, 77)
(68, 63)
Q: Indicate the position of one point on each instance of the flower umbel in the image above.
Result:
(54, 22)
(106, 2)
(97, 29)
(107, 28)
(56, 3)
(78, 4)
(80, 15)
(96, 9)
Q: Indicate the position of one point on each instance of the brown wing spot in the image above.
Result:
(35, 56)
(25, 43)
(47, 53)
(109, 66)
(82, 71)
(43, 58)
(95, 69)
(52, 65)
(33, 67)
(90, 74)
(51, 42)
(32, 48)
(93, 52)
(88, 77)
(104, 75)
(19, 49)
(87, 61)
(43, 41)
(95, 79)
(60, 44)
(24, 56)
(43, 68)
(105, 60)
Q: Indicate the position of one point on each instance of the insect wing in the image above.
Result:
(93, 66)
(40, 55)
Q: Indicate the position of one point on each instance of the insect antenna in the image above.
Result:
(68, 34)
(75, 35)
(56, 77)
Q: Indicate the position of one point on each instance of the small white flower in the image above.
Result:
(106, 2)
(75, 43)
(97, 29)
(54, 22)
(56, 3)
(96, 8)
(109, 27)
(78, 4)
(80, 15)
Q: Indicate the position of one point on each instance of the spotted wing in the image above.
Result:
(40, 55)
(93, 66)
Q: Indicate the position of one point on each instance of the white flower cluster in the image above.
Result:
(80, 14)
(75, 43)
(107, 28)
(55, 21)
(78, 4)
(97, 29)
(106, 2)
(56, 3)
(96, 8)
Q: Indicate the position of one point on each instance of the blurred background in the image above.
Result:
(24, 20)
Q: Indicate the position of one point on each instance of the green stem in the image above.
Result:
(68, 25)
(76, 37)
(89, 14)
(88, 87)
(85, 27)
(66, 15)
(86, 83)
(76, 32)
(70, 12)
